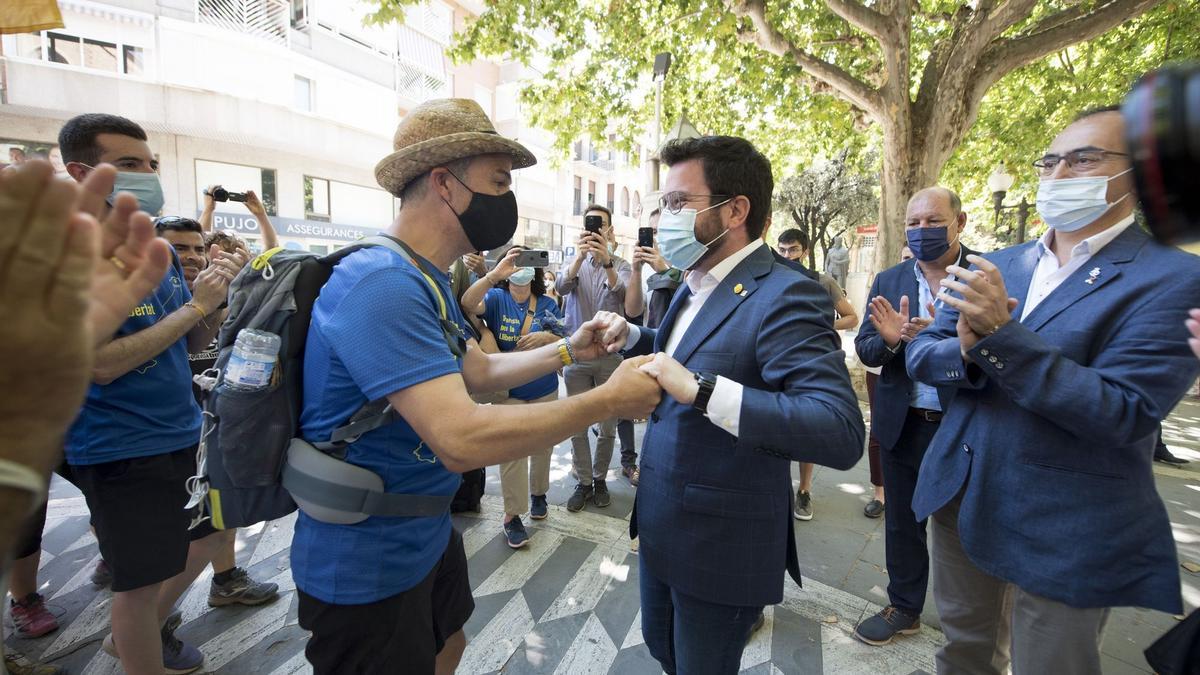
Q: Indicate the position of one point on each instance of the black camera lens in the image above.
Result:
(1162, 130)
(219, 194)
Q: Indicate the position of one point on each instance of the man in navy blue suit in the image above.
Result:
(906, 414)
(757, 380)
(1066, 353)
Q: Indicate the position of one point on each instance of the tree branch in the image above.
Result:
(1008, 15)
(861, 17)
(766, 37)
(1053, 33)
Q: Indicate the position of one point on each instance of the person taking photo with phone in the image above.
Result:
(512, 301)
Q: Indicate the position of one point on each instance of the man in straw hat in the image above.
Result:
(389, 593)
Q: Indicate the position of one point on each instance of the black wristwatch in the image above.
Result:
(608, 265)
(707, 382)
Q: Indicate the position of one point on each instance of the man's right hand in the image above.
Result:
(476, 263)
(254, 205)
(886, 320)
(211, 287)
(632, 394)
(209, 203)
(650, 256)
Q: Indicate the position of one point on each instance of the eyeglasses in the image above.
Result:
(1078, 160)
(673, 202)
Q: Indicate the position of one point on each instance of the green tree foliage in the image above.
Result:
(800, 78)
(825, 201)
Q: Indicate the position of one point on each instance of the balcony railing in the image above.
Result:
(266, 19)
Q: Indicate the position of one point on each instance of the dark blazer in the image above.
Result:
(893, 390)
(713, 509)
(1050, 436)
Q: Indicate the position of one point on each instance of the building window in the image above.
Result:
(578, 196)
(591, 192)
(612, 198)
(578, 150)
(71, 50)
(299, 14)
(304, 91)
(332, 201)
(237, 178)
(319, 249)
(624, 201)
(134, 60)
(316, 199)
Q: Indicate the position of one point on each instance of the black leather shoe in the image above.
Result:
(1166, 457)
(874, 509)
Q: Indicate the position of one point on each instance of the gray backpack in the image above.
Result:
(253, 467)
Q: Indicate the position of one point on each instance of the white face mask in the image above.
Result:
(677, 241)
(1070, 204)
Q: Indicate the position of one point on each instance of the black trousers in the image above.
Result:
(906, 544)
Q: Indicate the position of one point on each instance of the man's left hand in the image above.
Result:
(676, 380)
(984, 302)
(605, 334)
(255, 205)
(599, 249)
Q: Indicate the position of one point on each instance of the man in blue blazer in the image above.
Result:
(757, 381)
(906, 414)
(1066, 353)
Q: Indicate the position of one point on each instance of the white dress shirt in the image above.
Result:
(725, 404)
(1049, 275)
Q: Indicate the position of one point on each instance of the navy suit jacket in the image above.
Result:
(714, 509)
(1050, 437)
(894, 388)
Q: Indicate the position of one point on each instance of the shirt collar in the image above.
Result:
(699, 281)
(1091, 245)
(961, 262)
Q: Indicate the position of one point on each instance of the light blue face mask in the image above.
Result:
(1070, 204)
(522, 277)
(677, 237)
(145, 186)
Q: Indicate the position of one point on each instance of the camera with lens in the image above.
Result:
(220, 194)
(1162, 130)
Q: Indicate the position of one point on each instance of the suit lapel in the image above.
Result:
(723, 301)
(664, 329)
(1018, 274)
(1099, 271)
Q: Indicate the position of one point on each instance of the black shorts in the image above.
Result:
(403, 633)
(138, 512)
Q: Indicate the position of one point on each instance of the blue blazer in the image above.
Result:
(714, 509)
(1050, 437)
(894, 388)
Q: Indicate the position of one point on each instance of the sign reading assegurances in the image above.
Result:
(292, 227)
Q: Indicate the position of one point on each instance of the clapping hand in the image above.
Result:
(130, 262)
(916, 324)
(605, 334)
(887, 321)
(984, 305)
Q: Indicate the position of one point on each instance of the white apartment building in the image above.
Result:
(293, 99)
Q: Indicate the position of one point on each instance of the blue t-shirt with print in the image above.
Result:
(504, 317)
(375, 330)
(150, 410)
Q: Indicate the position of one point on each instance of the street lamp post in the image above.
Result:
(662, 64)
(1000, 182)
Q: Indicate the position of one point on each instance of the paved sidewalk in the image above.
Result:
(567, 603)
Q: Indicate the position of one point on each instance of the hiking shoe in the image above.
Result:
(887, 624)
(31, 617)
(803, 509)
(179, 657)
(873, 509)
(537, 507)
(102, 574)
(600, 493)
(631, 474)
(581, 496)
(19, 664)
(241, 589)
(514, 532)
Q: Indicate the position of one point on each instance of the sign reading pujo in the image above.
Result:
(291, 227)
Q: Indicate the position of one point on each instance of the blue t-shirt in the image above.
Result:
(376, 329)
(150, 410)
(505, 316)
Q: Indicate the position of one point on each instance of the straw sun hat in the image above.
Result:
(438, 132)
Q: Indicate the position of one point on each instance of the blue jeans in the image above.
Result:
(689, 635)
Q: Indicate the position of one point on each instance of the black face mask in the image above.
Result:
(490, 220)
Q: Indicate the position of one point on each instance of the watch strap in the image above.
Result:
(707, 382)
